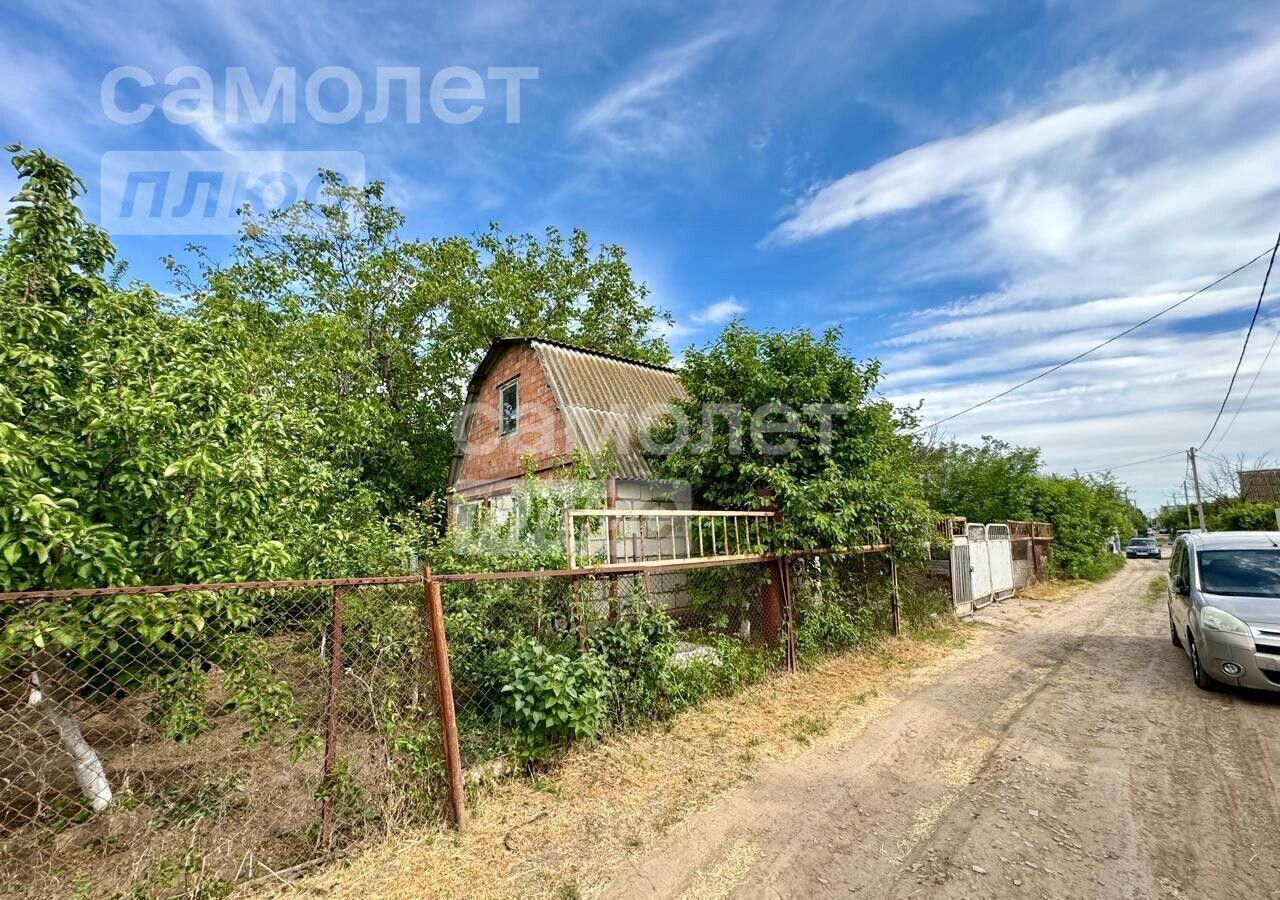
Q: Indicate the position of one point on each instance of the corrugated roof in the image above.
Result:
(607, 400)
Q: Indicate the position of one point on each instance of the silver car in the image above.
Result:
(1224, 607)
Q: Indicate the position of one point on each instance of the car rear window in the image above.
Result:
(1142, 542)
(1246, 573)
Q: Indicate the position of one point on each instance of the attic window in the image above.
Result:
(509, 405)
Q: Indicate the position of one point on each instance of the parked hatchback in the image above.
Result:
(1224, 607)
(1142, 547)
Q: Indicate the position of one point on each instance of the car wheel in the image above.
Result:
(1198, 674)
(1173, 632)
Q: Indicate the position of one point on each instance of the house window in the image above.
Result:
(509, 404)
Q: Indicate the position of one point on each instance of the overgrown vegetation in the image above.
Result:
(791, 419)
(998, 481)
(287, 417)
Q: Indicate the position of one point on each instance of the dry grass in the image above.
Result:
(1055, 590)
(567, 833)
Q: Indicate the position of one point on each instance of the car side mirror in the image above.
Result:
(1180, 586)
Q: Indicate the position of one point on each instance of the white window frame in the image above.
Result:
(503, 430)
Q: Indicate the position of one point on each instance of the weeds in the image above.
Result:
(1155, 593)
(804, 729)
(184, 806)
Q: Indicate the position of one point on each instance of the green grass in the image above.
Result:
(940, 635)
(1155, 593)
(805, 728)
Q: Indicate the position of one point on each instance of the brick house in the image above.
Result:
(535, 402)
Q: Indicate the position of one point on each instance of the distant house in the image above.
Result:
(534, 402)
(1260, 485)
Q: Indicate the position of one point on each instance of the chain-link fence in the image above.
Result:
(174, 741)
(538, 663)
(168, 741)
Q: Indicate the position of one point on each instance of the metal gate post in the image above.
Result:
(331, 718)
(448, 720)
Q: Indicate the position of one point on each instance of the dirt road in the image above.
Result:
(1075, 759)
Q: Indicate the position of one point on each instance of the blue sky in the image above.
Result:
(973, 191)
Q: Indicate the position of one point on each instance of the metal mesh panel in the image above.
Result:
(246, 730)
(176, 742)
(625, 649)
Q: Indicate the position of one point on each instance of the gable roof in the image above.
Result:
(605, 399)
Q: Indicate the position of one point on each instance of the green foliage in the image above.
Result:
(991, 483)
(923, 603)
(1174, 518)
(840, 604)
(828, 626)
(178, 704)
(726, 666)
(1084, 511)
(813, 436)
(638, 653)
(805, 728)
(181, 873)
(531, 536)
(263, 699)
(552, 699)
(998, 481)
(1244, 516)
(181, 806)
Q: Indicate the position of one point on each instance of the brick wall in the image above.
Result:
(493, 463)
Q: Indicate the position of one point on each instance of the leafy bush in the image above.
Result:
(638, 651)
(1245, 516)
(922, 602)
(998, 481)
(827, 626)
(727, 666)
(552, 699)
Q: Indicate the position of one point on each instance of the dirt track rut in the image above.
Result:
(1071, 758)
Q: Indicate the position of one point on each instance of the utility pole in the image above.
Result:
(1186, 501)
(1195, 477)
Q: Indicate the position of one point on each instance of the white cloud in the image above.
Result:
(719, 312)
(998, 164)
(1088, 216)
(644, 114)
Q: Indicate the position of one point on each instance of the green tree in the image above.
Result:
(999, 481)
(378, 332)
(792, 417)
(1084, 512)
(991, 483)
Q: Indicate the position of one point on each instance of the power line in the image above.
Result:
(1140, 462)
(1256, 309)
(1222, 437)
(1110, 340)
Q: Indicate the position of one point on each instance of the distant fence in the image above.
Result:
(334, 711)
(1029, 544)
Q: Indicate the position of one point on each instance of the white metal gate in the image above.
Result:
(982, 566)
(1000, 555)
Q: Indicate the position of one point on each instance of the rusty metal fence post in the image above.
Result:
(788, 614)
(332, 698)
(895, 607)
(448, 718)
